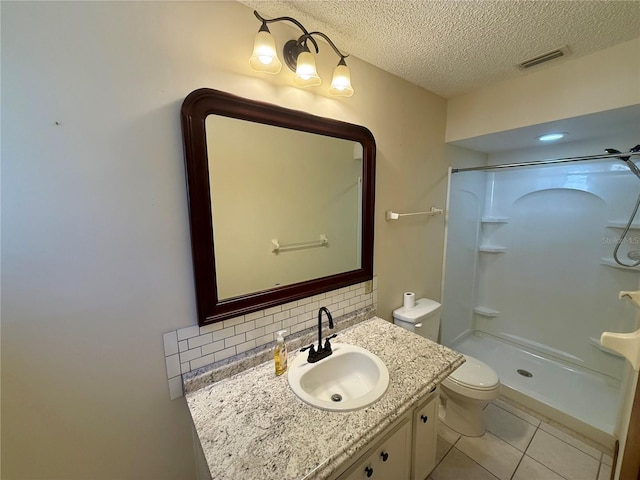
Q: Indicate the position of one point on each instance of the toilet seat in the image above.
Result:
(473, 378)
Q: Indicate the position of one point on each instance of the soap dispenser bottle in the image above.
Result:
(280, 354)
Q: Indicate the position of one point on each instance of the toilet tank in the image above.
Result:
(423, 318)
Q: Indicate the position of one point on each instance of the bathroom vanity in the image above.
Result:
(252, 426)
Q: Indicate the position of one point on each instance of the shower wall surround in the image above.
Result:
(194, 347)
(466, 201)
(538, 243)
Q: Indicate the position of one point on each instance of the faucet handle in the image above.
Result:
(313, 355)
(327, 344)
(311, 348)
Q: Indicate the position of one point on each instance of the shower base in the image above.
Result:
(580, 399)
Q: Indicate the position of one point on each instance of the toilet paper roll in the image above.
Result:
(409, 299)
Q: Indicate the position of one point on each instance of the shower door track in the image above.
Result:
(616, 156)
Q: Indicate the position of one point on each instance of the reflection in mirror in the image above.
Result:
(281, 203)
(295, 188)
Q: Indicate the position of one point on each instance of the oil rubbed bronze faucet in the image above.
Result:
(323, 351)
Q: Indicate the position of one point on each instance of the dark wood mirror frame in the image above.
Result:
(195, 109)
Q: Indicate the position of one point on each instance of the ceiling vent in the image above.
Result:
(545, 57)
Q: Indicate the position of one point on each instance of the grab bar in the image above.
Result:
(390, 215)
(276, 246)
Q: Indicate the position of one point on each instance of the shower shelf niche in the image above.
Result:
(486, 312)
(495, 219)
(622, 224)
(610, 262)
(492, 249)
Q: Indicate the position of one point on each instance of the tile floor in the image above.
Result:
(517, 446)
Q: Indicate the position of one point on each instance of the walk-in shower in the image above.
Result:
(531, 279)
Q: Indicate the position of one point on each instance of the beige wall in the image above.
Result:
(597, 82)
(96, 259)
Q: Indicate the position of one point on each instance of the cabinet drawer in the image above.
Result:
(389, 460)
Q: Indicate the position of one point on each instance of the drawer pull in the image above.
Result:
(385, 456)
(424, 418)
(369, 471)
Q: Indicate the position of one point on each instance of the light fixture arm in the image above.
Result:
(335, 49)
(306, 35)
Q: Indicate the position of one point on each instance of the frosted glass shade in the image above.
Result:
(341, 83)
(306, 73)
(264, 58)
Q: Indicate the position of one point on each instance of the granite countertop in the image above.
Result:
(251, 425)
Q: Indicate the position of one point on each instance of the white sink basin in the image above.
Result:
(349, 379)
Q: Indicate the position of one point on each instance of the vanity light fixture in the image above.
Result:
(298, 57)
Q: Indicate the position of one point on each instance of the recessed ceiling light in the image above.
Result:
(550, 137)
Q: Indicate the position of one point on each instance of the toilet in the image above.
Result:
(469, 389)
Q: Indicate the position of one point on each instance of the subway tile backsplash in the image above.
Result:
(190, 348)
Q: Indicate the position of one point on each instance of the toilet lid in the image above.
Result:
(475, 374)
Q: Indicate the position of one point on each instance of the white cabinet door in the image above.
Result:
(425, 436)
(393, 457)
(389, 460)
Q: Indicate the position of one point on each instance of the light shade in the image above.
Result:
(264, 58)
(341, 83)
(306, 73)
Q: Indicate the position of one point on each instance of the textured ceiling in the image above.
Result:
(454, 47)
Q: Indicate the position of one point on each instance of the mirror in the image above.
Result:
(281, 203)
(305, 221)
